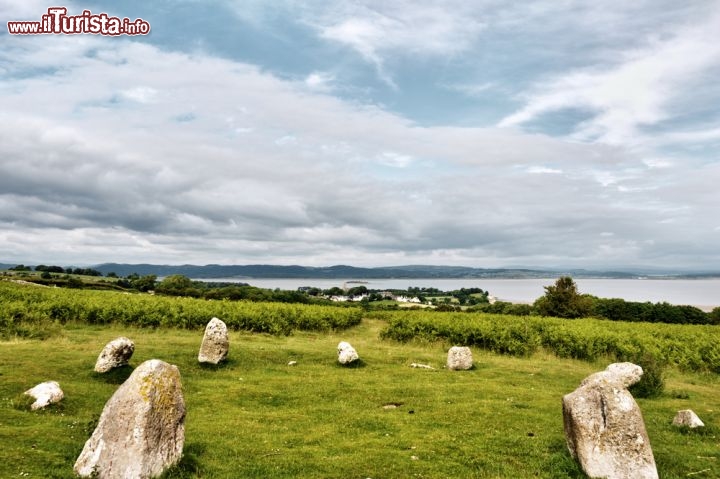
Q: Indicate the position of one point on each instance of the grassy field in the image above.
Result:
(258, 417)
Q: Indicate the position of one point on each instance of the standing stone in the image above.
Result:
(45, 394)
(627, 373)
(346, 353)
(604, 427)
(215, 343)
(459, 357)
(141, 431)
(116, 353)
(687, 417)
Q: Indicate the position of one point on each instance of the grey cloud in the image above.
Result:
(131, 183)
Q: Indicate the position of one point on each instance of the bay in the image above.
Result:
(703, 293)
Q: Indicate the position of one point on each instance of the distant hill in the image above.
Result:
(346, 272)
(390, 272)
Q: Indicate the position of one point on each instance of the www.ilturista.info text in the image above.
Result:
(57, 22)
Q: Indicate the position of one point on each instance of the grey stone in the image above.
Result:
(116, 353)
(627, 373)
(604, 427)
(459, 358)
(346, 353)
(45, 394)
(215, 343)
(141, 431)
(687, 417)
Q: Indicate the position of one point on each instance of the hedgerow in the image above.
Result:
(689, 347)
(30, 310)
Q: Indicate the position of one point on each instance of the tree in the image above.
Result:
(375, 296)
(357, 291)
(142, 283)
(178, 285)
(21, 267)
(86, 272)
(562, 300)
(175, 282)
(714, 316)
(50, 269)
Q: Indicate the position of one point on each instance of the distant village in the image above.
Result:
(384, 295)
(411, 297)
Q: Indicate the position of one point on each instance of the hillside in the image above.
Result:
(345, 272)
(388, 272)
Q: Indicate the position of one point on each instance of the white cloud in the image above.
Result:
(31, 10)
(395, 160)
(543, 170)
(286, 140)
(472, 90)
(320, 81)
(140, 94)
(637, 91)
(697, 136)
(658, 163)
(379, 29)
(280, 171)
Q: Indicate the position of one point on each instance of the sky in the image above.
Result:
(484, 133)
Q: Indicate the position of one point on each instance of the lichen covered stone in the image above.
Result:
(459, 358)
(115, 354)
(215, 344)
(687, 417)
(604, 427)
(141, 431)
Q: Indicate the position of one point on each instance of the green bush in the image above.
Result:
(652, 382)
(503, 307)
(688, 347)
(30, 310)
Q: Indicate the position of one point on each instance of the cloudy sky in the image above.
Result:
(480, 133)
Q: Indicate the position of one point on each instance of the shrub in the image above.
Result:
(652, 383)
(688, 347)
(28, 311)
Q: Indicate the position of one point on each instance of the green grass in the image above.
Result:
(103, 282)
(255, 416)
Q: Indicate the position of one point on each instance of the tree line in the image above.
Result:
(563, 300)
(60, 270)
